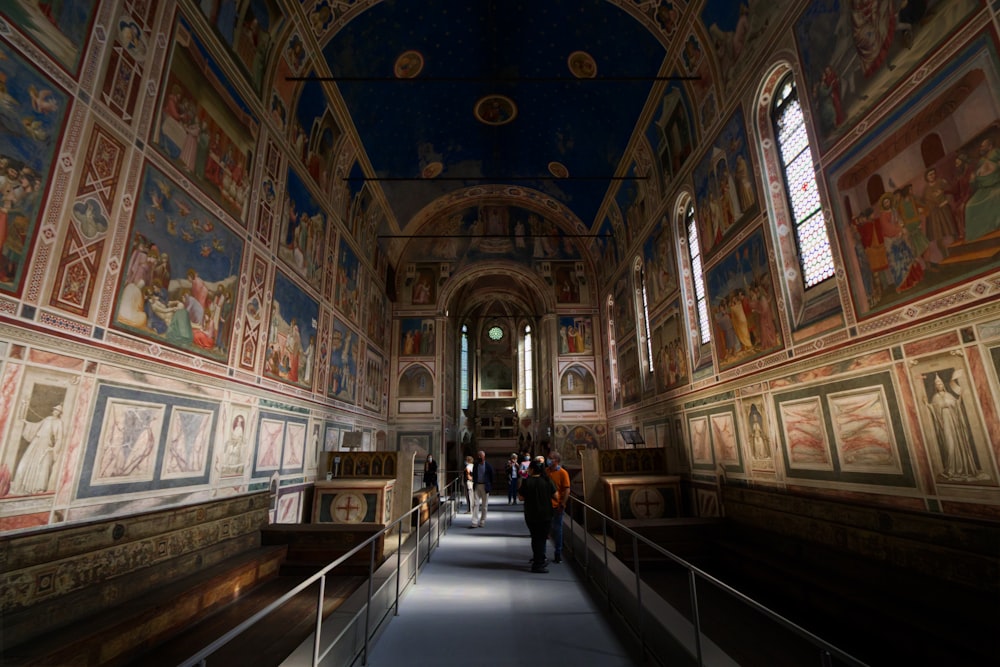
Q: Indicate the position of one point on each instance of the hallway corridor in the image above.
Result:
(477, 603)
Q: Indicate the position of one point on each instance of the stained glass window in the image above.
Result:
(464, 369)
(529, 371)
(811, 236)
(694, 253)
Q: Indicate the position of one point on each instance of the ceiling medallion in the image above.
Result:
(408, 65)
(432, 170)
(558, 169)
(582, 65)
(495, 110)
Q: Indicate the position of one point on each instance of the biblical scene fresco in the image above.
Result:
(303, 232)
(741, 303)
(670, 357)
(348, 283)
(576, 335)
(249, 29)
(493, 232)
(854, 55)
(567, 284)
(345, 352)
(416, 382)
(203, 125)
(141, 441)
(416, 337)
(736, 33)
(60, 28)
(577, 381)
(182, 271)
(659, 256)
(725, 191)
(672, 133)
(918, 207)
(423, 291)
(32, 113)
(291, 340)
(315, 134)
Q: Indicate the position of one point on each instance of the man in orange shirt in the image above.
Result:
(560, 478)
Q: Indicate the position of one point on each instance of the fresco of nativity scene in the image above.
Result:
(181, 275)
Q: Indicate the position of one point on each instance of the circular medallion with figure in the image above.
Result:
(582, 65)
(408, 65)
(495, 110)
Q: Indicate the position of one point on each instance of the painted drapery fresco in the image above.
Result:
(180, 280)
(918, 207)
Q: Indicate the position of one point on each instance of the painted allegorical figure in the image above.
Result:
(34, 470)
(951, 428)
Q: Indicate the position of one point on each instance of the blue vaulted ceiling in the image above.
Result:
(422, 136)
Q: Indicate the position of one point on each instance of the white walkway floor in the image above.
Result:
(477, 604)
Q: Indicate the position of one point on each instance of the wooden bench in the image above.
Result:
(99, 592)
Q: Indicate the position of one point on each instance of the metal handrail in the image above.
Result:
(201, 657)
(827, 650)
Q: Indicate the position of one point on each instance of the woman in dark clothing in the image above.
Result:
(537, 491)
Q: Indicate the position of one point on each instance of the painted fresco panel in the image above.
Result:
(852, 59)
(576, 335)
(342, 382)
(672, 133)
(188, 441)
(701, 442)
(758, 435)
(742, 304)
(249, 29)
(181, 276)
(737, 32)
(566, 282)
(374, 379)
(142, 441)
(849, 430)
(203, 125)
(670, 355)
(348, 283)
(303, 232)
(416, 337)
(270, 443)
(660, 263)
(577, 381)
(235, 438)
(37, 437)
(918, 206)
(423, 292)
(805, 437)
(33, 110)
(724, 443)
(289, 508)
(293, 453)
(862, 432)
(952, 425)
(60, 28)
(291, 341)
(725, 189)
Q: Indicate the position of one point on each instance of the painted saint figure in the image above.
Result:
(951, 428)
(34, 470)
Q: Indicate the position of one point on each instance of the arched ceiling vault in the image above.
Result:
(512, 97)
